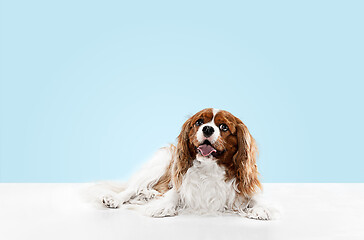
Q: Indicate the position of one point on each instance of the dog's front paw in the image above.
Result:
(258, 212)
(110, 201)
(160, 210)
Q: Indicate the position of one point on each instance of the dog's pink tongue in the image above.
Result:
(206, 149)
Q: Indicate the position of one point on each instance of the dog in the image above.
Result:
(211, 170)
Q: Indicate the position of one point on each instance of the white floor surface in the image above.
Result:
(57, 211)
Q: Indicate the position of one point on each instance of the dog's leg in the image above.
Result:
(258, 209)
(115, 200)
(166, 206)
(140, 186)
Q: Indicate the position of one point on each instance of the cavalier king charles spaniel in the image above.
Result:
(211, 170)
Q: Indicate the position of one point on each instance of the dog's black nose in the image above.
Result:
(207, 131)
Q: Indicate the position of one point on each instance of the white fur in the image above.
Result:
(166, 206)
(140, 187)
(200, 136)
(215, 111)
(204, 189)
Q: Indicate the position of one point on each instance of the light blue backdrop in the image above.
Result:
(89, 90)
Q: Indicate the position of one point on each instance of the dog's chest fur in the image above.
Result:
(204, 188)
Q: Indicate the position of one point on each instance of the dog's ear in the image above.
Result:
(184, 156)
(245, 161)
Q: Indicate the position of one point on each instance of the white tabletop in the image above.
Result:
(57, 211)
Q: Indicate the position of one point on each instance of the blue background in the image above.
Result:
(89, 90)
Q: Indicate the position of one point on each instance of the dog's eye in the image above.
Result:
(199, 122)
(224, 127)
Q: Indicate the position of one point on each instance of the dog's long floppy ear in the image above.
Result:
(245, 161)
(183, 159)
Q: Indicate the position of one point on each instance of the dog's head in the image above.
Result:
(219, 135)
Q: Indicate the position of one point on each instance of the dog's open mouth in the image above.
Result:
(206, 148)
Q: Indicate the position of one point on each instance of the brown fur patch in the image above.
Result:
(186, 146)
(164, 183)
(239, 157)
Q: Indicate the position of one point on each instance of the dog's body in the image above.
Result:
(211, 170)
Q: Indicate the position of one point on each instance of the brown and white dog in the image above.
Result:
(211, 170)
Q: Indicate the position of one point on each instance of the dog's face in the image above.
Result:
(213, 133)
(220, 135)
